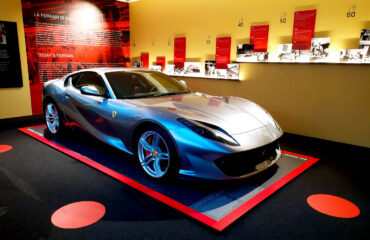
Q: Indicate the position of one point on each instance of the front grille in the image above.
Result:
(242, 163)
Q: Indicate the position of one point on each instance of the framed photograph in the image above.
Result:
(170, 69)
(301, 55)
(10, 64)
(262, 56)
(365, 38)
(366, 54)
(244, 53)
(137, 64)
(192, 68)
(284, 53)
(221, 73)
(157, 68)
(232, 71)
(319, 49)
(2, 34)
(179, 71)
(352, 55)
(210, 68)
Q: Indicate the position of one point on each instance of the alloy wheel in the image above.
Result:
(153, 154)
(52, 118)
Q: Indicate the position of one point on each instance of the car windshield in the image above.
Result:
(140, 84)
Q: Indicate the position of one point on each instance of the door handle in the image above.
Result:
(67, 97)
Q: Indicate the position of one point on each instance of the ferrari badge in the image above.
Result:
(114, 113)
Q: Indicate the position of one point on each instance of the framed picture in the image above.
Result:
(10, 64)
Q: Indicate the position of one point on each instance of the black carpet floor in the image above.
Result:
(36, 180)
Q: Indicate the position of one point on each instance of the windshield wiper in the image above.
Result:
(153, 95)
(140, 96)
(167, 94)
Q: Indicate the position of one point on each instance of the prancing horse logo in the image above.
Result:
(114, 113)
(265, 136)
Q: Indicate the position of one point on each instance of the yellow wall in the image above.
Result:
(327, 101)
(15, 102)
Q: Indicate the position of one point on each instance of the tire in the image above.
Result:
(157, 154)
(53, 119)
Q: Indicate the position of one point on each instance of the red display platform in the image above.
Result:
(204, 208)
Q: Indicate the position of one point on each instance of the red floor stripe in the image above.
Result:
(154, 194)
(245, 207)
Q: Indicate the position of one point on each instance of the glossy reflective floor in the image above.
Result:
(215, 203)
(36, 180)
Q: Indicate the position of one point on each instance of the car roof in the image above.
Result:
(113, 69)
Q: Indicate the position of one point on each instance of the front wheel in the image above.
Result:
(157, 154)
(53, 119)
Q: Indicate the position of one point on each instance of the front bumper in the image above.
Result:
(247, 163)
(207, 159)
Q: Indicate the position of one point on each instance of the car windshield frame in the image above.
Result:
(143, 84)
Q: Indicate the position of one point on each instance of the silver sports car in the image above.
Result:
(170, 129)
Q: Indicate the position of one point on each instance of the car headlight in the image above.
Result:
(271, 119)
(208, 132)
(277, 125)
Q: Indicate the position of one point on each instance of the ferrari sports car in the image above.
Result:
(168, 128)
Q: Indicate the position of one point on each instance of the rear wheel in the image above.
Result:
(53, 118)
(156, 154)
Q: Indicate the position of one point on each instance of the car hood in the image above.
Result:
(234, 115)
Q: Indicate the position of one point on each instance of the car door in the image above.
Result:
(91, 113)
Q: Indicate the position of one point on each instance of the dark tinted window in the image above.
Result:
(74, 78)
(143, 84)
(91, 79)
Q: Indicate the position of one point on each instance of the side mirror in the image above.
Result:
(90, 90)
(183, 82)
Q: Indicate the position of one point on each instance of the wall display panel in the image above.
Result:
(223, 48)
(180, 52)
(144, 57)
(162, 62)
(303, 29)
(65, 36)
(259, 37)
(10, 65)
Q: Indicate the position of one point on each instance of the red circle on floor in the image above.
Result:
(78, 214)
(333, 206)
(5, 148)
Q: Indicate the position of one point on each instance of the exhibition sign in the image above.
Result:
(223, 48)
(10, 65)
(162, 62)
(259, 37)
(144, 58)
(62, 37)
(180, 52)
(303, 29)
